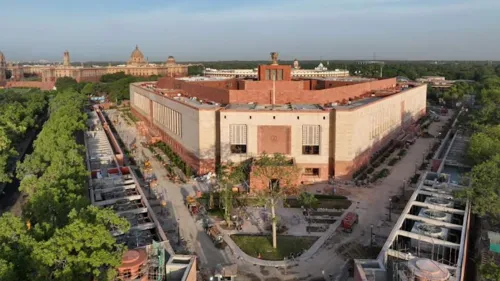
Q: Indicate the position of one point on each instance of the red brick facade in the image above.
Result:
(238, 91)
(274, 139)
(44, 86)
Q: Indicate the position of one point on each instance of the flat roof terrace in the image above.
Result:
(274, 107)
(347, 79)
(179, 96)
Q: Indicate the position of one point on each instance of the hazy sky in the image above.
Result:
(251, 29)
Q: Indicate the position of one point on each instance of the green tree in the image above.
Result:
(280, 175)
(308, 200)
(484, 144)
(66, 83)
(484, 191)
(88, 90)
(230, 175)
(16, 247)
(490, 271)
(84, 249)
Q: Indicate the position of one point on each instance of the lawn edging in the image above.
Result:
(305, 256)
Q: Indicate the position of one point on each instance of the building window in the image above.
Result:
(311, 172)
(310, 149)
(274, 184)
(280, 75)
(238, 139)
(238, 148)
(310, 139)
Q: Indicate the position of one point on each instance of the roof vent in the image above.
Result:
(432, 214)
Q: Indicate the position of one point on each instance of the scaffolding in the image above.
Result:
(156, 262)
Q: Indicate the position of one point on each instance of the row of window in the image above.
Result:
(383, 121)
(274, 117)
(141, 102)
(168, 118)
(310, 139)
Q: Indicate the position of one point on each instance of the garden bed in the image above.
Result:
(253, 245)
(317, 228)
(322, 203)
(321, 220)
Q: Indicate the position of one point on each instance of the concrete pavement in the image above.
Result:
(193, 237)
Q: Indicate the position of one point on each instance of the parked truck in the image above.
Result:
(349, 221)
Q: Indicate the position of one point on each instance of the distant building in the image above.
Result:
(439, 81)
(3, 68)
(328, 126)
(136, 66)
(318, 72)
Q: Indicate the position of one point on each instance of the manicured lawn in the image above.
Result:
(254, 244)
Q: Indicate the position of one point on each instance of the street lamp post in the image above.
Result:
(178, 232)
(371, 235)
(404, 186)
(390, 208)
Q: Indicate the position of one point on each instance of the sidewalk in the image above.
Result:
(191, 232)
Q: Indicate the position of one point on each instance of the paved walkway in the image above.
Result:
(193, 237)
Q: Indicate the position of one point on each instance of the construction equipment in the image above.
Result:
(349, 221)
(193, 205)
(216, 236)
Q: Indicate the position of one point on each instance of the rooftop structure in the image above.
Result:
(112, 185)
(318, 72)
(137, 65)
(431, 233)
(329, 127)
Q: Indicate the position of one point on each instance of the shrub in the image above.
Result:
(327, 196)
(393, 161)
(414, 179)
(370, 170)
(402, 152)
(382, 174)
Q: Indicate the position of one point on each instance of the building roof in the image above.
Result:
(348, 79)
(201, 78)
(356, 103)
(275, 107)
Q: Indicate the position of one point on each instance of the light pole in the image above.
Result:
(371, 235)
(390, 208)
(323, 273)
(178, 232)
(404, 186)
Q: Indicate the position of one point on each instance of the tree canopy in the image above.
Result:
(60, 236)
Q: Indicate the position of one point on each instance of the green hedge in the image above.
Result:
(393, 161)
(322, 203)
(327, 196)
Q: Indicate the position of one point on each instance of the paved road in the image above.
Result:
(191, 231)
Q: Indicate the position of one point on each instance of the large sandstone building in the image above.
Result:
(329, 127)
(137, 65)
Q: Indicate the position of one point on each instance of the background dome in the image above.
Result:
(171, 60)
(137, 53)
